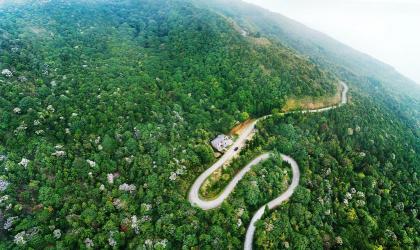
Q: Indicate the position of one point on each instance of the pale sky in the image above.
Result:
(388, 30)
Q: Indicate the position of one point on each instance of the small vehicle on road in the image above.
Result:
(236, 148)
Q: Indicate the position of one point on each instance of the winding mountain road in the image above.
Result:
(194, 194)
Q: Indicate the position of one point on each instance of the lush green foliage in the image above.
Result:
(397, 92)
(103, 98)
(360, 177)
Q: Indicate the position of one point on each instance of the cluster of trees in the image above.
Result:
(107, 110)
(359, 180)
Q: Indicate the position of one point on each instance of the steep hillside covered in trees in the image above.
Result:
(373, 77)
(106, 113)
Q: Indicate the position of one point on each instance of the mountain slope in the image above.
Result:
(107, 109)
(364, 71)
(100, 97)
(312, 43)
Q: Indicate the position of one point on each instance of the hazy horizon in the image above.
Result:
(384, 29)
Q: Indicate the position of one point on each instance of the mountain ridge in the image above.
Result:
(293, 28)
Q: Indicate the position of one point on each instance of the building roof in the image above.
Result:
(221, 142)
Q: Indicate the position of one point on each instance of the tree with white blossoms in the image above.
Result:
(17, 110)
(57, 234)
(181, 170)
(111, 240)
(173, 176)
(22, 78)
(339, 240)
(240, 211)
(91, 163)
(128, 188)
(22, 127)
(117, 203)
(414, 212)
(7, 72)
(348, 196)
(3, 185)
(346, 202)
(269, 227)
(148, 243)
(110, 178)
(51, 108)
(89, 243)
(3, 199)
(360, 203)
(59, 153)
(161, 243)
(32, 232)
(9, 223)
(146, 206)
(239, 223)
(399, 206)
(390, 234)
(24, 162)
(20, 238)
(39, 132)
(135, 224)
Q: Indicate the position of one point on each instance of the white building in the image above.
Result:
(222, 142)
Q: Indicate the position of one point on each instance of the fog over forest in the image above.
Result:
(384, 29)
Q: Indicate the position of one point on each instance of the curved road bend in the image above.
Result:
(194, 196)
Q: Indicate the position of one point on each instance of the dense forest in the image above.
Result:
(106, 113)
(370, 75)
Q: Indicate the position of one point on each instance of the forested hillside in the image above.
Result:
(106, 113)
(400, 94)
(359, 188)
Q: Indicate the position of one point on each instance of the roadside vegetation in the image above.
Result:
(220, 178)
(308, 102)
